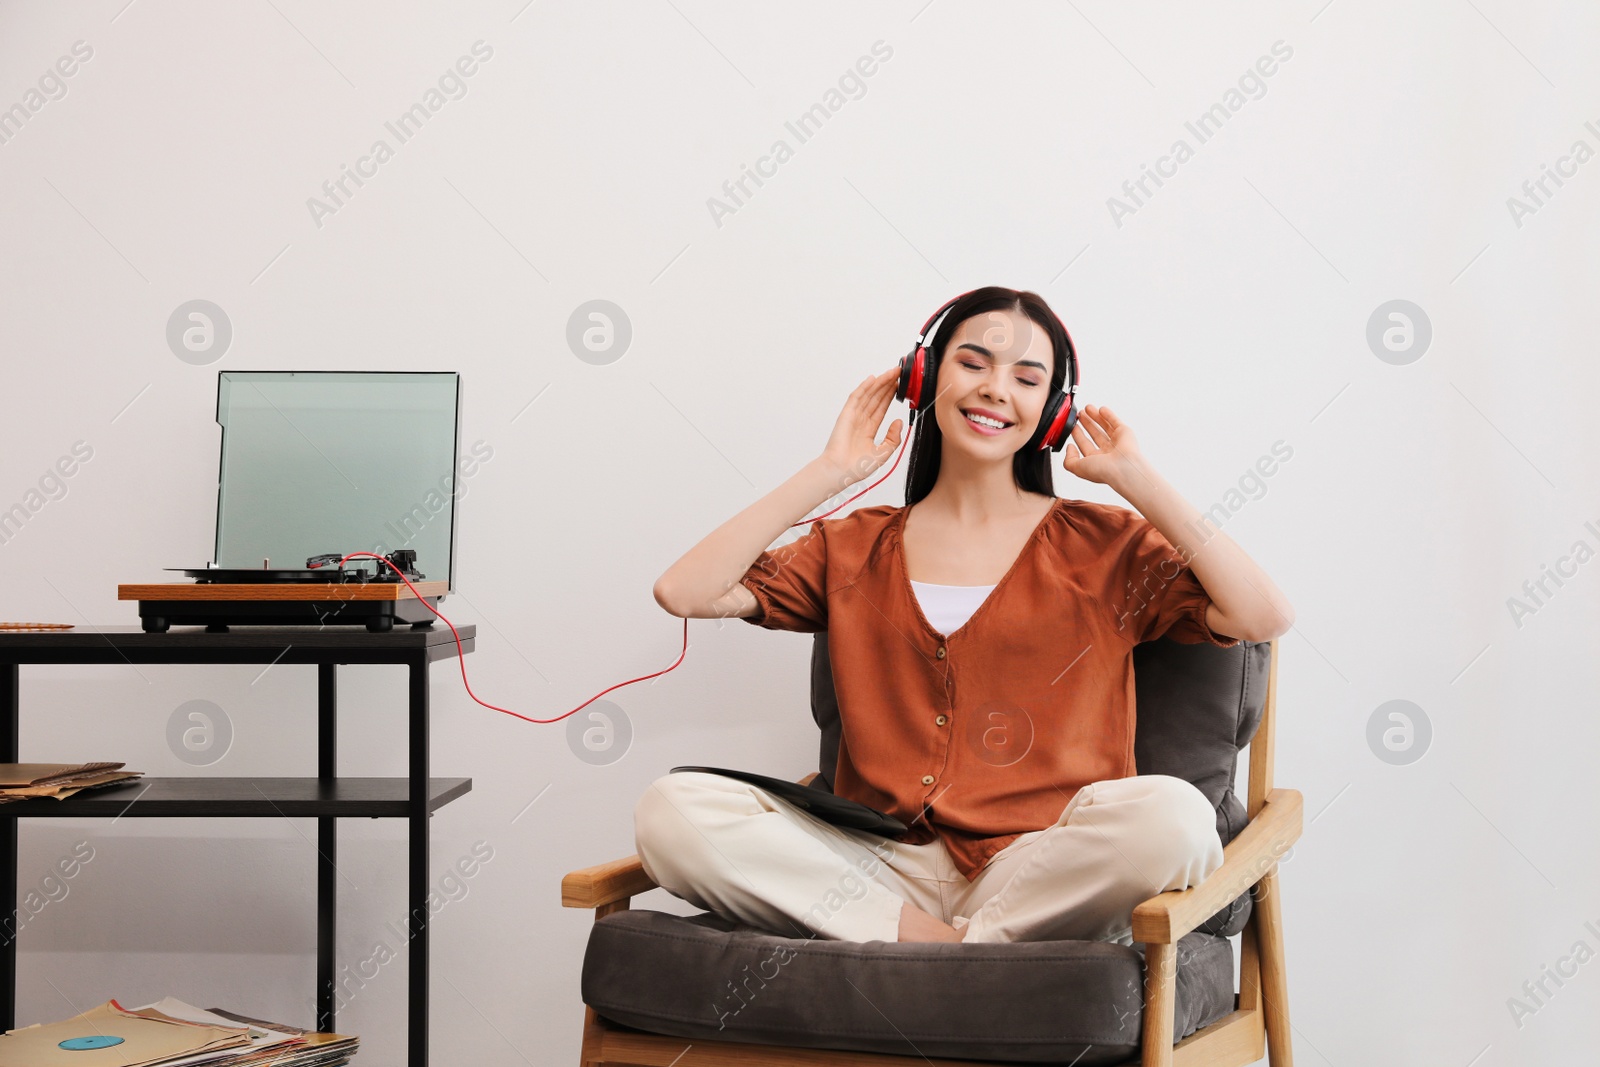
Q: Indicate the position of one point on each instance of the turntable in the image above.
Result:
(313, 460)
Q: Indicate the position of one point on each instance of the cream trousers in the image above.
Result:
(734, 849)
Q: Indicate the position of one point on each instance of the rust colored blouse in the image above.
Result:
(984, 734)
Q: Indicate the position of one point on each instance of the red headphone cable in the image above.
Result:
(461, 656)
(903, 441)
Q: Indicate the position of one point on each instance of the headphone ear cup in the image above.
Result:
(1069, 420)
(930, 380)
(916, 380)
(1044, 433)
(908, 371)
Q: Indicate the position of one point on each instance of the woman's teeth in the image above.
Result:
(984, 420)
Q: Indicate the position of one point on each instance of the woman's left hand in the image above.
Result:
(1102, 447)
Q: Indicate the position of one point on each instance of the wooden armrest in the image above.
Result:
(1164, 918)
(605, 883)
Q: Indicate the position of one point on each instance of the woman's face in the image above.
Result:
(997, 366)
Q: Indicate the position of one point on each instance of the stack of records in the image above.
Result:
(20, 781)
(170, 1033)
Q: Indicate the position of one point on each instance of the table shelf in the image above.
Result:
(243, 798)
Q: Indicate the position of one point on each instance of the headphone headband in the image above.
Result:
(927, 327)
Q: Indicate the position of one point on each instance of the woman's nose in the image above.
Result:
(994, 383)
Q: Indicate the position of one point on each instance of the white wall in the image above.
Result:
(1226, 313)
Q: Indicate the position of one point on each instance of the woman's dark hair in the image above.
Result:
(1029, 467)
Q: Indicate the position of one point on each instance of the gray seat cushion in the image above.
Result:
(704, 978)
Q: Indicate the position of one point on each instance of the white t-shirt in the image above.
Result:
(947, 607)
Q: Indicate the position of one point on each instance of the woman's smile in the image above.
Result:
(985, 422)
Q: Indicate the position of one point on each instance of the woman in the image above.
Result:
(981, 643)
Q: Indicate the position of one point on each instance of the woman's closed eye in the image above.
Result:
(972, 365)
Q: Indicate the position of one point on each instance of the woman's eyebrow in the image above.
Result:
(988, 355)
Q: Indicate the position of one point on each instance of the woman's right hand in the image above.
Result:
(853, 449)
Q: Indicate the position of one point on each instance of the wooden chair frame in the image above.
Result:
(1258, 1023)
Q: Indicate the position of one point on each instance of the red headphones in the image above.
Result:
(919, 373)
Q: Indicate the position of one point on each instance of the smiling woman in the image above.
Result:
(950, 620)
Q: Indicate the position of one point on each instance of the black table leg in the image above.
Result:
(327, 844)
(417, 921)
(8, 853)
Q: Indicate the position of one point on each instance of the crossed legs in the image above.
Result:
(736, 850)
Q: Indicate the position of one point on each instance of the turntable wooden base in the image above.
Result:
(377, 605)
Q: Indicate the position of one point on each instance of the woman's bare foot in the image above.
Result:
(918, 925)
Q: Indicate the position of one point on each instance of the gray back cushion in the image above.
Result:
(1198, 706)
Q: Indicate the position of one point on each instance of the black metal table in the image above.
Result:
(327, 796)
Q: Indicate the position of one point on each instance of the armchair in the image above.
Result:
(663, 990)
